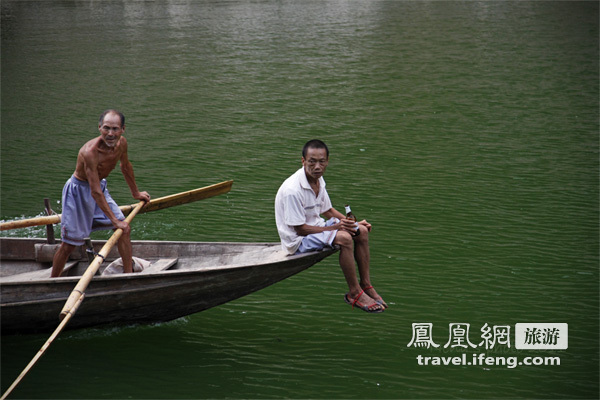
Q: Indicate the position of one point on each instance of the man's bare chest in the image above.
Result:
(106, 163)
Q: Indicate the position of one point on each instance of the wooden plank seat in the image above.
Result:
(40, 274)
(160, 265)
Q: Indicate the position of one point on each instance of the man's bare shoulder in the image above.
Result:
(122, 145)
(90, 146)
(89, 149)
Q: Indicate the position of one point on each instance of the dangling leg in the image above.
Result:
(356, 294)
(363, 259)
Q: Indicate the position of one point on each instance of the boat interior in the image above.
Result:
(31, 259)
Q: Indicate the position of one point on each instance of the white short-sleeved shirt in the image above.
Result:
(296, 204)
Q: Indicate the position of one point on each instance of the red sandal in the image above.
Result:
(380, 300)
(362, 306)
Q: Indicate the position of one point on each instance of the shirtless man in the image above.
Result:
(87, 205)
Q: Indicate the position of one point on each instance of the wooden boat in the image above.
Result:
(183, 278)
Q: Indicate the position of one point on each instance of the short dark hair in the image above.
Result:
(112, 111)
(314, 144)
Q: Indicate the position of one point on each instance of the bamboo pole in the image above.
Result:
(76, 297)
(154, 205)
(43, 349)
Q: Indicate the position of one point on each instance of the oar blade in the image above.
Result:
(187, 197)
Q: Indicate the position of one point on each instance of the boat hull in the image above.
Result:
(206, 275)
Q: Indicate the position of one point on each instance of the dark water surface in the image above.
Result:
(465, 132)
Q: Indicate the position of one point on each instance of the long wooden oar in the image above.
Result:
(154, 205)
(76, 296)
(182, 198)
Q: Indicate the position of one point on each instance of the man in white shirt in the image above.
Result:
(299, 204)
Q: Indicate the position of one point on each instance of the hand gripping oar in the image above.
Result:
(154, 205)
(76, 297)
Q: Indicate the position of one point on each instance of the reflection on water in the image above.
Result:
(466, 133)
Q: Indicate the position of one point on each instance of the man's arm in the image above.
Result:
(305, 230)
(127, 171)
(344, 224)
(332, 212)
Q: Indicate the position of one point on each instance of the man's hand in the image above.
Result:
(143, 196)
(365, 223)
(123, 225)
(348, 225)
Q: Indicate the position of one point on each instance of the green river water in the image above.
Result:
(465, 132)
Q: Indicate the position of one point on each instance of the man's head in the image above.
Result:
(111, 127)
(112, 111)
(315, 157)
(314, 144)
